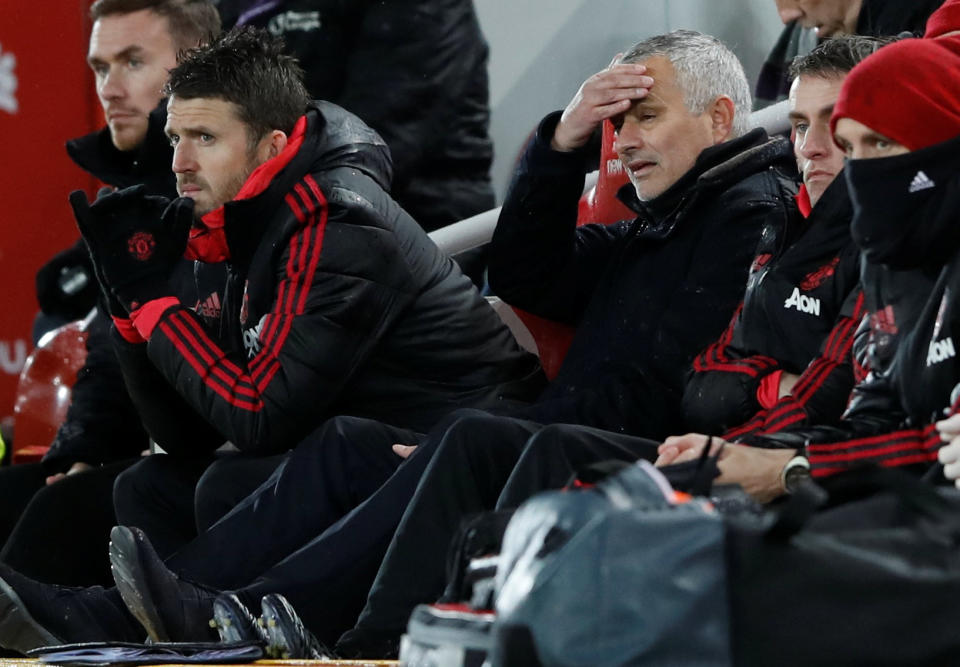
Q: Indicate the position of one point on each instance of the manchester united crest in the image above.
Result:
(141, 245)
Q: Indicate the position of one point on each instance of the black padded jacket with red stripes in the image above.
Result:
(336, 303)
(799, 315)
(905, 223)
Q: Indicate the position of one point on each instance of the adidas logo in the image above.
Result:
(920, 182)
(210, 307)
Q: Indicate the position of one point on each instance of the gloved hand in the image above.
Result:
(114, 308)
(135, 241)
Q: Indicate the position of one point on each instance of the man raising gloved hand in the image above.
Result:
(135, 240)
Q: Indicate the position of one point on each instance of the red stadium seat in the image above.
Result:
(598, 205)
(44, 390)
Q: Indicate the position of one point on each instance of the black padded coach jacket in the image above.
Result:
(646, 295)
(336, 303)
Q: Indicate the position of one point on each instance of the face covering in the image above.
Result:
(906, 208)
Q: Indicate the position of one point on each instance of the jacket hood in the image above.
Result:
(150, 163)
(337, 138)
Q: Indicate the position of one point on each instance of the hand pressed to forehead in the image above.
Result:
(604, 95)
(134, 241)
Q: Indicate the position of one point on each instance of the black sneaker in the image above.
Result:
(235, 623)
(168, 607)
(34, 614)
(286, 634)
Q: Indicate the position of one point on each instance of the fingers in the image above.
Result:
(949, 427)
(604, 95)
(81, 211)
(667, 455)
(688, 455)
(952, 471)
(181, 212)
(53, 479)
(79, 203)
(403, 451)
(949, 453)
(621, 82)
(684, 442)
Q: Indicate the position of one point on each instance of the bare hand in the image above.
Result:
(604, 95)
(949, 454)
(787, 382)
(403, 451)
(681, 448)
(74, 469)
(756, 470)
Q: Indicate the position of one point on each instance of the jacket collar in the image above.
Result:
(716, 168)
(149, 164)
(834, 207)
(239, 224)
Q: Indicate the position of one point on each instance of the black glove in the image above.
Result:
(135, 241)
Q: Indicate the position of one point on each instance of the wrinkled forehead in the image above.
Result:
(665, 90)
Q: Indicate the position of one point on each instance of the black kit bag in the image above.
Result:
(871, 581)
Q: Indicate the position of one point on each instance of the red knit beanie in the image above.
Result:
(944, 20)
(908, 91)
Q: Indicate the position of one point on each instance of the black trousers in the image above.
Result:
(17, 485)
(172, 498)
(269, 542)
(482, 463)
(63, 531)
(318, 530)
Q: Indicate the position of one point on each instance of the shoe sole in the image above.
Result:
(19, 631)
(130, 578)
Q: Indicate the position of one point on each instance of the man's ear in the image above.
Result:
(721, 113)
(272, 145)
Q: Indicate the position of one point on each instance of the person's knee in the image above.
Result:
(210, 502)
(135, 482)
(548, 440)
(227, 481)
(477, 433)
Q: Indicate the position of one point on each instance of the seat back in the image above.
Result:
(44, 390)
